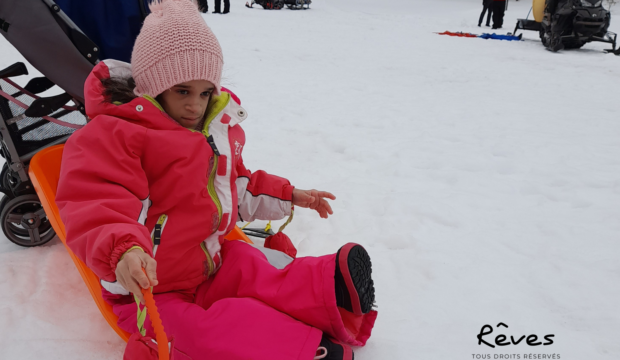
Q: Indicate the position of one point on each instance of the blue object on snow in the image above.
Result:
(494, 36)
(113, 25)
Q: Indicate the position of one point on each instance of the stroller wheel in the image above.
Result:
(14, 228)
(24, 221)
(5, 179)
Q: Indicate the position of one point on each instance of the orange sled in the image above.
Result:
(44, 172)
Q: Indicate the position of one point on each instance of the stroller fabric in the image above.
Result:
(46, 46)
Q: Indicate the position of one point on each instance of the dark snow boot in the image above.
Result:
(330, 349)
(355, 290)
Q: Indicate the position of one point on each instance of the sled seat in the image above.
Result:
(44, 172)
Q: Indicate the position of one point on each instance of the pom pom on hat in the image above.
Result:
(174, 46)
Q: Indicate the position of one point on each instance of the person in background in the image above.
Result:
(218, 4)
(486, 5)
(111, 24)
(499, 7)
(203, 6)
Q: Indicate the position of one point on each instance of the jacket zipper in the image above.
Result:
(210, 140)
(157, 231)
(211, 181)
(156, 237)
(211, 190)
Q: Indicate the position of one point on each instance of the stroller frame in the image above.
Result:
(25, 130)
(30, 123)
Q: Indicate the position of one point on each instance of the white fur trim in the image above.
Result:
(118, 69)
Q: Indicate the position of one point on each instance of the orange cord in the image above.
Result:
(158, 327)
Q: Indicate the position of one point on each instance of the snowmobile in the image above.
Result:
(569, 24)
(279, 4)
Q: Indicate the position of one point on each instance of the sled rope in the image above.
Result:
(288, 221)
(158, 327)
(268, 226)
(141, 314)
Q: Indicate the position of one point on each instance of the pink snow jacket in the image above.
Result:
(135, 177)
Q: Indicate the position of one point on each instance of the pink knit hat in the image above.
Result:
(175, 45)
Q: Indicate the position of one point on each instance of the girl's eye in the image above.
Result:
(206, 93)
(183, 92)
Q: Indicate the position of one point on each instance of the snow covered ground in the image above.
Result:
(482, 176)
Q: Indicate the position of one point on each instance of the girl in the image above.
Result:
(156, 180)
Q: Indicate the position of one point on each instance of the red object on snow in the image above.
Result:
(459, 34)
(281, 242)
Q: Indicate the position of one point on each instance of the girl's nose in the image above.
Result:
(193, 108)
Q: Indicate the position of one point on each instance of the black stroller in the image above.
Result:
(30, 123)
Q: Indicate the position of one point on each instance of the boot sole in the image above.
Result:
(356, 269)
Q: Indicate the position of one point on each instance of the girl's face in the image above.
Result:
(187, 102)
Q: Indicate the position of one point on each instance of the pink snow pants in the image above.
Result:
(252, 310)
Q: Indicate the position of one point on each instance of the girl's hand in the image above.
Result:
(129, 272)
(315, 200)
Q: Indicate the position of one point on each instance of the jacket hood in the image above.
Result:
(141, 110)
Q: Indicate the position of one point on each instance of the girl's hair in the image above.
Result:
(118, 90)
